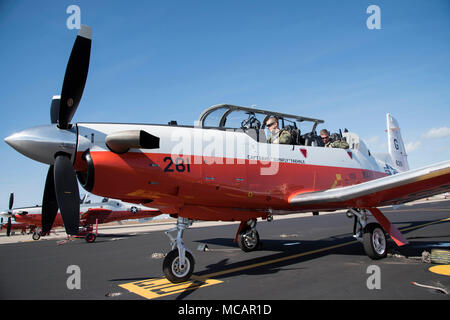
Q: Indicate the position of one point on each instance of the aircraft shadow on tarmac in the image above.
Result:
(295, 247)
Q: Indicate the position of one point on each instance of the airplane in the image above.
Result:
(108, 210)
(26, 217)
(13, 225)
(219, 170)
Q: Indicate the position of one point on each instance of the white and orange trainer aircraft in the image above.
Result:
(91, 213)
(219, 171)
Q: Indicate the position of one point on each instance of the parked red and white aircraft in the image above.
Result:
(108, 210)
(217, 171)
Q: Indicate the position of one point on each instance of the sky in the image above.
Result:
(156, 61)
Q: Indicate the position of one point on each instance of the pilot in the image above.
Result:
(276, 135)
(327, 141)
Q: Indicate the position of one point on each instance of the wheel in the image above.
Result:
(90, 237)
(248, 240)
(36, 235)
(175, 272)
(315, 213)
(374, 241)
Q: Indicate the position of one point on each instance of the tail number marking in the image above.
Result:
(181, 164)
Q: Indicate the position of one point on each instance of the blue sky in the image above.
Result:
(155, 61)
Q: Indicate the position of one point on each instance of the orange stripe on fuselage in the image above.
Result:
(36, 219)
(215, 182)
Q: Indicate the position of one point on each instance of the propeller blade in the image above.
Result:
(8, 227)
(11, 200)
(54, 109)
(75, 76)
(49, 202)
(67, 193)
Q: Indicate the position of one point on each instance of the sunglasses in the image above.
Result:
(323, 138)
(270, 124)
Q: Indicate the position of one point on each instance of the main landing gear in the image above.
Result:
(372, 235)
(179, 263)
(248, 237)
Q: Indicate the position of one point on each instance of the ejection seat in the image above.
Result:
(313, 140)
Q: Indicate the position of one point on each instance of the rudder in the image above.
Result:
(396, 146)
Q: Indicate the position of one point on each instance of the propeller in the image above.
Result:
(8, 227)
(9, 214)
(56, 144)
(61, 186)
(75, 77)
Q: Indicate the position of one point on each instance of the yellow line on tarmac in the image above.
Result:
(259, 264)
(425, 224)
(156, 288)
(392, 210)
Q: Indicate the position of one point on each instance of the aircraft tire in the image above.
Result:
(172, 269)
(36, 235)
(374, 241)
(90, 237)
(248, 240)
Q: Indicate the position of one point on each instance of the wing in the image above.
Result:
(105, 215)
(395, 189)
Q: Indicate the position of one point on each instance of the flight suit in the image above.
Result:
(337, 144)
(281, 137)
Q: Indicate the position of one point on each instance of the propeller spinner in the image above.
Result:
(55, 144)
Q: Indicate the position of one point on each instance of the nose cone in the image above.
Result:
(43, 142)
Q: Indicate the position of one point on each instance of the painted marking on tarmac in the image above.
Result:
(425, 224)
(443, 270)
(160, 287)
(156, 288)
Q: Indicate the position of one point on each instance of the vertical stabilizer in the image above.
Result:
(395, 144)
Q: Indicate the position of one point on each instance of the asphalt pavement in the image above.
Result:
(301, 258)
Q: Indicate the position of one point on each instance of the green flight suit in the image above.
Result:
(281, 137)
(337, 144)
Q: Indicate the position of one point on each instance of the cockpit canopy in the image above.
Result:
(252, 121)
(225, 116)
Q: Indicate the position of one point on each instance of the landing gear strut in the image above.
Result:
(248, 237)
(372, 235)
(178, 265)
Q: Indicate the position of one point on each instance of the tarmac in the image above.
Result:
(302, 257)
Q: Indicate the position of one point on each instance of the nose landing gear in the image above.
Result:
(178, 265)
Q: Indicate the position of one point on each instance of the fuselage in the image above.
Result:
(215, 168)
(111, 210)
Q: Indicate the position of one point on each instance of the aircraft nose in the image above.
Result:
(43, 142)
(10, 140)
